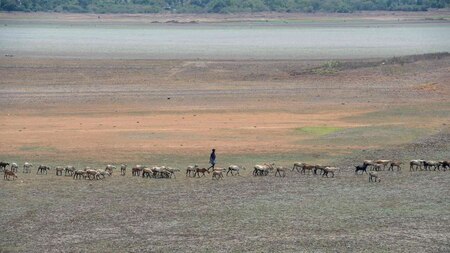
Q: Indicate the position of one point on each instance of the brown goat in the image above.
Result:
(202, 170)
(307, 167)
(217, 174)
(281, 171)
(395, 164)
(9, 174)
(59, 170)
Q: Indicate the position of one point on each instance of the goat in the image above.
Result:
(297, 166)
(234, 169)
(373, 176)
(3, 166)
(263, 170)
(331, 170)
(171, 171)
(444, 164)
(101, 174)
(78, 174)
(202, 170)
(27, 167)
(377, 167)
(160, 172)
(362, 168)
(43, 168)
(91, 174)
(307, 167)
(136, 170)
(395, 164)
(14, 167)
(191, 170)
(368, 163)
(281, 171)
(69, 170)
(383, 162)
(217, 174)
(123, 169)
(319, 167)
(428, 164)
(416, 164)
(110, 168)
(59, 170)
(8, 174)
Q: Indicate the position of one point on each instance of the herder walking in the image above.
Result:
(212, 159)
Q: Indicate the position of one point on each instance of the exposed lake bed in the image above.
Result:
(330, 89)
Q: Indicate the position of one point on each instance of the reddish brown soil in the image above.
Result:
(98, 109)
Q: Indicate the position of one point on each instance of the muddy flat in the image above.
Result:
(61, 109)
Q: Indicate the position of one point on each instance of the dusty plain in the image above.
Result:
(172, 112)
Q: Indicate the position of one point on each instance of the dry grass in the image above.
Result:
(406, 212)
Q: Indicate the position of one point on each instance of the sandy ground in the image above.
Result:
(92, 109)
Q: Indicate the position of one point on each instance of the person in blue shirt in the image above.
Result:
(212, 159)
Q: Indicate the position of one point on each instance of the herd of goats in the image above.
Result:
(217, 173)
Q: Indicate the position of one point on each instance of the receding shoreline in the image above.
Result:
(381, 16)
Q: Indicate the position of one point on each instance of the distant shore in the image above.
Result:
(47, 17)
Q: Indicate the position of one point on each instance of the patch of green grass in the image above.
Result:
(328, 68)
(319, 130)
(370, 136)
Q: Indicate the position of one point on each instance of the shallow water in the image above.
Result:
(225, 41)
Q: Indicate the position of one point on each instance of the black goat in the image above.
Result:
(362, 168)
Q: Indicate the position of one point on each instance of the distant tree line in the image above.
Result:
(218, 6)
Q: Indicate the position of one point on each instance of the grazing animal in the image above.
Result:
(307, 167)
(416, 164)
(101, 174)
(330, 170)
(59, 170)
(217, 174)
(373, 176)
(297, 166)
(123, 169)
(43, 168)
(14, 167)
(377, 166)
(234, 169)
(91, 174)
(445, 165)
(171, 171)
(362, 168)
(369, 164)
(190, 170)
(263, 170)
(3, 165)
(428, 164)
(383, 162)
(8, 174)
(110, 168)
(160, 172)
(27, 167)
(396, 164)
(202, 170)
(69, 170)
(148, 172)
(78, 174)
(281, 171)
(136, 170)
(319, 167)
